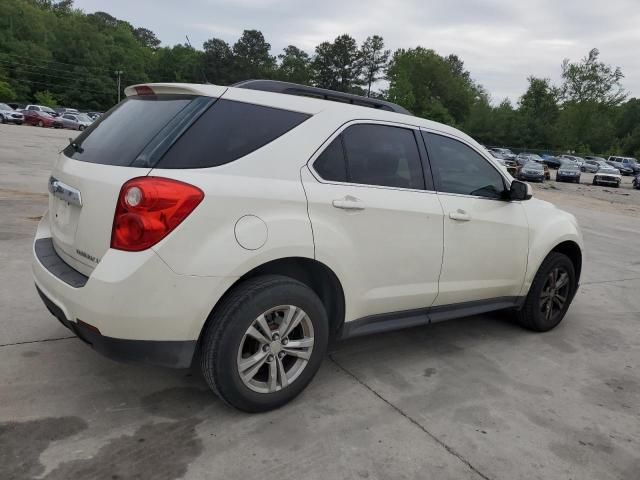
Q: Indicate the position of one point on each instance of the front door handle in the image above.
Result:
(460, 216)
(348, 203)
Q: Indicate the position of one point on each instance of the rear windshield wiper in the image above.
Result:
(75, 146)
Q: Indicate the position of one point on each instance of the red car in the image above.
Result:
(40, 119)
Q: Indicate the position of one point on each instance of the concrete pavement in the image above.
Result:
(476, 398)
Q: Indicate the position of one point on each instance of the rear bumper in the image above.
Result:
(132, 307)
(173, 354)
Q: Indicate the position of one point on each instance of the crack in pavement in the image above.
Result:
(37, 341)
(448, 448)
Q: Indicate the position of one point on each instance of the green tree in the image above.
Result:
(374, 60)
(146, 37)
(218, 62)
(45, 98)
(592, 81)
(251, 56)
(295, 65)
(539, 113)
(432, 86)
(337, 65)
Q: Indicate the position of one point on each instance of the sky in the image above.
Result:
(501, 42)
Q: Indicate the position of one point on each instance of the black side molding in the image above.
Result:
(386, 322)
(50, 260)
(172, 354)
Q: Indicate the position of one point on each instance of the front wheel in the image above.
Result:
(550, 294)
(81, 127)
(264, 343)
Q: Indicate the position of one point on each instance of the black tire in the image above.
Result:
(531, 315)
(228, 324)
(81, 127)
(40, 123)
(594, 182)
(618, 185)
(4, 120)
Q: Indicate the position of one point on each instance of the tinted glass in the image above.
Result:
(227, 131)
(331, 164)
(457, 168)
(122, 134)
(382, 155)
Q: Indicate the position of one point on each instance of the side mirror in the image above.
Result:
(520, 191)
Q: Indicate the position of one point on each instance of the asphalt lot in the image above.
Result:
(476, 398)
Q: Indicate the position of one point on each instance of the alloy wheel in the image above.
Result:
(555, 293)
(275, 349)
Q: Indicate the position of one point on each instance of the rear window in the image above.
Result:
(229, 130)
(180, 131)
(119, 136)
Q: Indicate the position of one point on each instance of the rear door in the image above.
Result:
(87, 177)
(376, 220)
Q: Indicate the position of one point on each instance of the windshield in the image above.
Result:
(48, 110)
(45, 114)
(534, 166)
(569, 166)
(4, 106)
(83, 118)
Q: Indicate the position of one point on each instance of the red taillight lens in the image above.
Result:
(148, 209)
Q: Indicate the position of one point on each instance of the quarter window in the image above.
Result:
(458, 168)
(331, 164)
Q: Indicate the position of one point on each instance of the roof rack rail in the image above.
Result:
(321, 93)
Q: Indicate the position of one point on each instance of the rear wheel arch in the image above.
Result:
(312, 273)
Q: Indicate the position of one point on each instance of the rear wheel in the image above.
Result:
(40, 123)
(550, 294)
(264, 343)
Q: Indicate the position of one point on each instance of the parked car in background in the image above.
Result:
(532, 171)
(553, 162)
(63, 110)
(505, 152)
(568, 172)
(631, 162)
(624, 169)
(75, 121)
(592, 164)
(94, 115)
(9, 115)
(578, 160)
(41, 108)
(41, 119)
(607, 176)
(534, 157)
(636, 182)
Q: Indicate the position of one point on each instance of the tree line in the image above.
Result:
(52, 53)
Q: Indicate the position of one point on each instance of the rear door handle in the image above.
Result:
(348, 203)
(460, 216)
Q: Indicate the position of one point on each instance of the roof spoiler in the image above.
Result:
(288, 88)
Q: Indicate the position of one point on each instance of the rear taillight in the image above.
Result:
(148, 209)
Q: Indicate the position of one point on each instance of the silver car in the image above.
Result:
(9, 115)
(75, 121)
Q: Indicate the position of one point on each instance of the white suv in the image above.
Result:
(246, 227)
